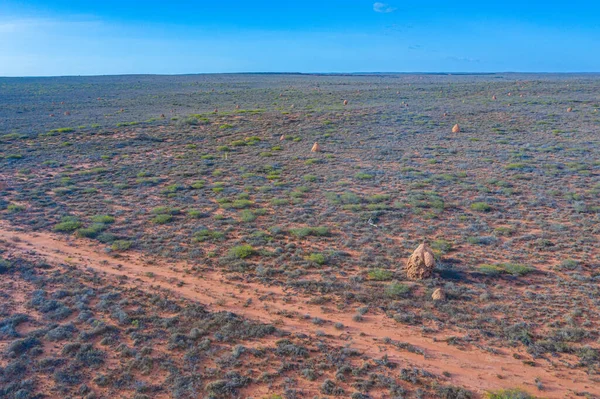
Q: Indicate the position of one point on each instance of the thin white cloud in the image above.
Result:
(19, 25)
(462, 59)
(39, 25)
(383, 8)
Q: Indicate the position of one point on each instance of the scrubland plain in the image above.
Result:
(176, 236)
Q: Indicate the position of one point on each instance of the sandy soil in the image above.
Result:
(469, 367)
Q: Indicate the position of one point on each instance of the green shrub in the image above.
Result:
(4, 265)
(363, 176)
(106, 219)
(122, 124)
(517, 269)
(242, 251)
(483, 240)
(173, 188)
(106, 238)
(317, 258)
(205, 234)
(297, 194)
(15, 208)
(67, 224)
(92, 231)
(509, 394)
(148, 181)
(62, 130)
(162, 219)
(442, 246)
(568, 264)
(491, 270)
(309, 231)
(509, 268)
(279, 201)
(198, 184)
(349, 198)
(378, 198)
(452, 392)
(515, 166)
(121, 245)
(504, 231)
(481, 207)
(12, 136)
(241, 203)
(195, 213)
(252, 140)
(247, 216)
(380, 275)
(395, 290)
(165, 210)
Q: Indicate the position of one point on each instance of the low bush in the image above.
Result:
(242, 251)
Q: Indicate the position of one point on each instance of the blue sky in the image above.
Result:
(41, 38)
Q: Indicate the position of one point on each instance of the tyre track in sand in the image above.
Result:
(471, 368)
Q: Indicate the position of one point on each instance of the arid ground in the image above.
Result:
(175, 237)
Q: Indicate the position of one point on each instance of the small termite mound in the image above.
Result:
(438, 295)
(494, 97)
(67, 113)
(421, 263)
(316, 148)
(570, 109)
(456, 129)
(282, 138)
(345, 102)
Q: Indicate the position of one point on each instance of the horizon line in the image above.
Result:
(306, 73)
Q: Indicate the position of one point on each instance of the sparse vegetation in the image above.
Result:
(242, 251)
(232, 210)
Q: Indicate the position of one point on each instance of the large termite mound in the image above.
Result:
(421, 263)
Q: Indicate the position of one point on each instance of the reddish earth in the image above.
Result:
(469, 367)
